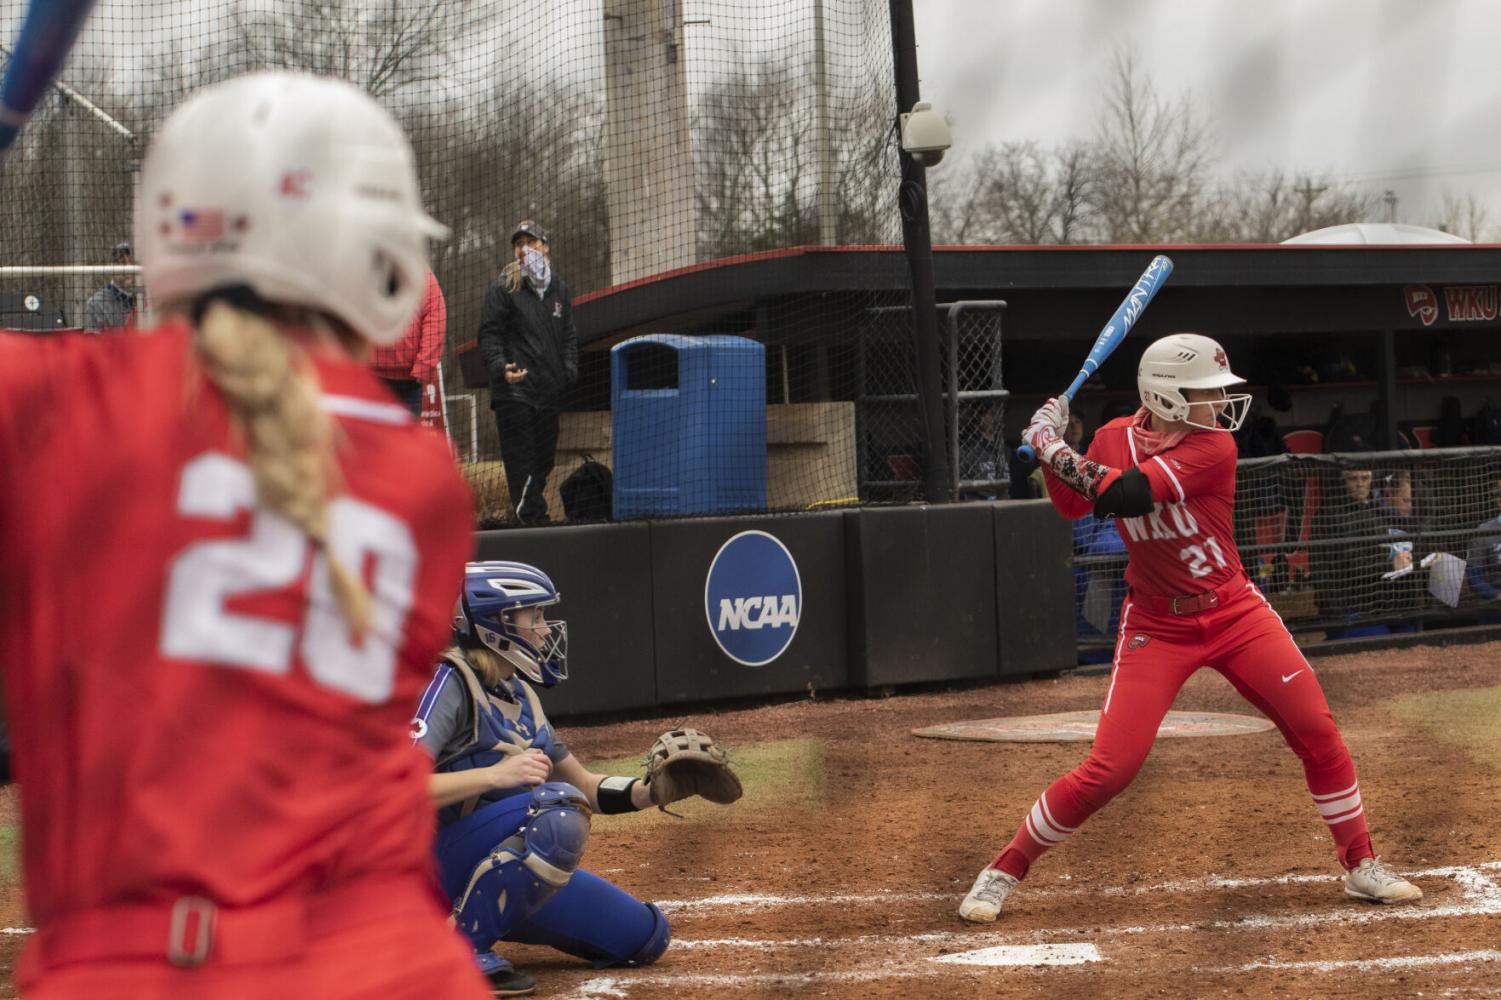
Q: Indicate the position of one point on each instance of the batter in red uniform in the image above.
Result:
(228, 559)
(1167, 475)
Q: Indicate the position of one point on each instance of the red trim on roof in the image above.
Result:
(744, 258)
(747, 258)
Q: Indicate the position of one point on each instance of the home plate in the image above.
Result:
(1069, 726)
(1026, 954)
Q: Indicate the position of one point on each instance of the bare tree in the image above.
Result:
(1016, 193)
(957, 198)
(381, 45)
(1154, 159)
(756, 152)
(1271, 207)
(1463, 215)
(1146, 177)
(755, 155)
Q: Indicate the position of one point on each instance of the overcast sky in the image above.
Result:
(1400, 94)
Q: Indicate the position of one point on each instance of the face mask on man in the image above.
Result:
(534, 265)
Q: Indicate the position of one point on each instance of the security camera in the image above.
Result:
(925, 134)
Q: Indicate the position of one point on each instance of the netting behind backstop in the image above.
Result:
(644, 135)
(1349, 545)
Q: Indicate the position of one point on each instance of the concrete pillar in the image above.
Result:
(648, 156)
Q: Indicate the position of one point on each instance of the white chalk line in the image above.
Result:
(620, 986)
(763, 901)
(1341, 915)
(1372, 964)
(1482, 896)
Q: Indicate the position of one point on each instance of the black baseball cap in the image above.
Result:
(527, 227)
(120, 250)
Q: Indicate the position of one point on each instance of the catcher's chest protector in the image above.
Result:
(499, 728)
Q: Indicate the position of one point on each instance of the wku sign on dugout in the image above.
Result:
(1460, 303)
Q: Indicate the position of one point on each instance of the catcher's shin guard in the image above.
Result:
(598, 921)
(527, 868)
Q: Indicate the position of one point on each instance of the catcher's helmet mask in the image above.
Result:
(493, 592)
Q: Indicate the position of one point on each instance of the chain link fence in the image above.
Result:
(1343, 546)
(888, 404)
(645, 136)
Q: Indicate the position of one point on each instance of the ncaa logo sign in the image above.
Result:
(753, 598)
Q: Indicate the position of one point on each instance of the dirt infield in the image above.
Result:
(840, 874)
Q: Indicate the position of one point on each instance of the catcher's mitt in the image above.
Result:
(685, 762)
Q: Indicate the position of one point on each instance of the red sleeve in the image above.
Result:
(1203, 463)
(37, 374)
(434, 332)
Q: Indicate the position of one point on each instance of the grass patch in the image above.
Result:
(10, 854)
(1464, 719)
(779, 775)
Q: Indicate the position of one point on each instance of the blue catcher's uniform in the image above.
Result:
(509, 859)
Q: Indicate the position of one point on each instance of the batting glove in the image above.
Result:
(1054, 412)
(1044, 439)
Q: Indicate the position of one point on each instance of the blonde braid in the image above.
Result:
(289, 446)
(511, 275)
(487, 664)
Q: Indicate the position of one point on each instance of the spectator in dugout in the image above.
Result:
(113, 307)
(1483, 555)
(1347, 577)
(983, 456)
(411, 364)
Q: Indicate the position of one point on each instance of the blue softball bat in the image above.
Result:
(1115, 331)
(40, 51)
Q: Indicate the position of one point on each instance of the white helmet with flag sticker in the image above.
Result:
(1190, 361)
(301, 188)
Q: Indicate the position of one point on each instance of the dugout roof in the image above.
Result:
(1067, 292)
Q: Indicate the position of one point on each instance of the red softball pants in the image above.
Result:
(1155, 653)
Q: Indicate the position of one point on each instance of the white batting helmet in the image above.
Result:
(301, 188)
(1189, 361)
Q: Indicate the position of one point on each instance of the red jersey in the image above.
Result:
(1187, 544)
(416, 355)
(189, 713)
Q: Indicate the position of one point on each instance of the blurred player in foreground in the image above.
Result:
(1167, 475)
(228, 558)
(514, 804)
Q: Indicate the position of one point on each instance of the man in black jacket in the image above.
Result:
(530, 347)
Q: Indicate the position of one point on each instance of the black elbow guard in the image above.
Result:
(1129, 496)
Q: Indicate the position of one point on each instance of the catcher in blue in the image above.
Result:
(514, 804)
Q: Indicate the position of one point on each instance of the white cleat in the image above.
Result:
(983, 904)
(1374, 882)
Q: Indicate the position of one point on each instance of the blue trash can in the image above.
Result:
(689, 421)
